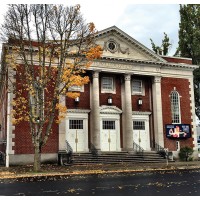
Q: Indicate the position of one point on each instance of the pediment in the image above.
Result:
(110, 110)
(118, 44)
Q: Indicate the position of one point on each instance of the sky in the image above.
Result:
(141, 20)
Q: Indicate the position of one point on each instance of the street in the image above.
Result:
(155, 183)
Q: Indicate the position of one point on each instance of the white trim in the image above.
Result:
(115, 116)
(82, 115)
(179, 106)
(143, 116)
(142, 87)
(8, 132)
(76, 88)
(140, 113)
(110, 110)
(78, 111)
(113, 90)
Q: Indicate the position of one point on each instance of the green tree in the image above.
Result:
(164, 48)
(189, 42)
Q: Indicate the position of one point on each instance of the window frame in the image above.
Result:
(108, 125)
(76, 124)
(76, 88)
(175, 107)
(142, 92)
(139, 125)
(112, 89)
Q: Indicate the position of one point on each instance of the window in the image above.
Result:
(137, 87)
(75, 124)
(138, 125)
(107, 85)
(175, 107)
(108, 125)
(76, 88)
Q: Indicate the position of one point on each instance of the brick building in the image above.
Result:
(134, 96)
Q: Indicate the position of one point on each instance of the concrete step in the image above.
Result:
(116, 157)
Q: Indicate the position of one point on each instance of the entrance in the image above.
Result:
(108, 136)
(110, 128)
(141, 131)
(77, 131)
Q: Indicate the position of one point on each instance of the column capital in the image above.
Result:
(127, 77)
(95, 74)
(157, 79)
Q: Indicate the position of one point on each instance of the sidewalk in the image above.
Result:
(55, 170)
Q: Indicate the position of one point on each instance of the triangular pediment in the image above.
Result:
(118, 44)
(110, 110)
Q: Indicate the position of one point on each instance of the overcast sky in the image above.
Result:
(149, 19)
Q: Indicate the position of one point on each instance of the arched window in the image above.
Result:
(175, 107)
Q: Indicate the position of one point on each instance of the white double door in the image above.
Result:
(110, 134)
(141, 131)
(77, 133)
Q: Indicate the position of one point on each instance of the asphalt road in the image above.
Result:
(157, 183)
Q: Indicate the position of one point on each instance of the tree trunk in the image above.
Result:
(37, 157)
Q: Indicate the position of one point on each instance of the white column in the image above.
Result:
(95, 112)
(157, 111)
(8, 132)
(128, 134)
(62, 128)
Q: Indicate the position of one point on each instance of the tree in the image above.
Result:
(164, 48)
(189, 40)
(49, 47)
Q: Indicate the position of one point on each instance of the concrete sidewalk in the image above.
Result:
(55, 170)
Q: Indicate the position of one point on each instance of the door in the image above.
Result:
(108, 135)
(141, 134)
(76, 134)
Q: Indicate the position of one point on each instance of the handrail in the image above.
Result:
(158, 147)
(138, 148)
(93, 149)
(161, 150)
(69, 149)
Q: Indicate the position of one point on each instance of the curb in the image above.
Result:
(11, 175)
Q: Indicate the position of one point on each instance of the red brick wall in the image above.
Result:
(178, 60)
(22, 138)
(3, 112)
(116, 98)
(145, 99)
(182, 87)
(84, 102)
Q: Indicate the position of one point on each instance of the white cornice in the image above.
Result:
(110, 110)
(161, 64)
(141, 113)
(130, 40)
(78, 111)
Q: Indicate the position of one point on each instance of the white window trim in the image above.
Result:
(178, 105)
(142, 87)
(76, 88)
(113, 90)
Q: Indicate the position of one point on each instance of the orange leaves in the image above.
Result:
(91, 27)
(78, 80)
(73, 94)
(94, 52)
(19, 112)
(61, 108)
(62, 112)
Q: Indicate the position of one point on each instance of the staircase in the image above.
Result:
(116, 158)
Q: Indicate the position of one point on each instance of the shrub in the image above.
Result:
(185, 153)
